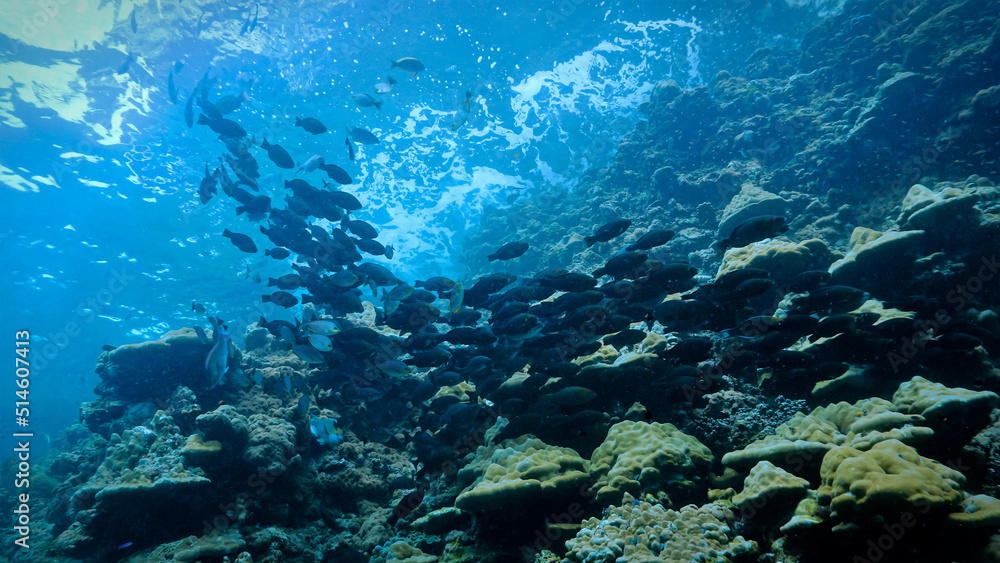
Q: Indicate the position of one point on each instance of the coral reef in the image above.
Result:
(639, 531)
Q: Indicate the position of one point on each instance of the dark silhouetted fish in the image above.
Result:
(257, 206)
(311, 124)
(277, 253)
(223, 126)
(281, 299)
(229, 104)
(363, 136)
(278, 155)
(288, 281)
(241, 241)
(407, 64)
(350, 147)
(251, 22)
(651, 240)
(608, 231)
(366, 100)
(751, 231)
(336, 173)
(621, 264)
(509, 251)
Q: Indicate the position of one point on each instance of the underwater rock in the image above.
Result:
(518, 471)
(226, 425)
(889, 479)
(142, 477)
(904, 91)
(152, 369)
(878, 260)
(750, 202)
(773, 486)
(194, 548)
(402, 552)
(800, 443)
(784, 260)
(942, 210)
(639, 531)
(641, 457)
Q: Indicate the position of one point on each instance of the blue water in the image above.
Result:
(105, 241)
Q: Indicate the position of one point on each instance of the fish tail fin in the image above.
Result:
(227, 233)
(378, 105)
(297, 120)
(265, 298)
(392, 80)
(491, 257)
(202, 120)
(271, 282)
(240, 210)
(392, 64)
(590, 241)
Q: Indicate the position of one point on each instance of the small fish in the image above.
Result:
(370, 246)
(278, 155)
(320, 342)
(302, 408)
(570, 396)
(135, 28)
(256, 207)
(407, 505)
(231, 103)
(289, 281)
(608, 231)
(281, 299)
(360, 228)
(350, 147)
(189, 112)
(218, 356)
(312, 163)
(509, 251)
(326, 328)
(389, 251)
(408, 64)
(247, 24)
(308, 354)
(310, 124)
(336, 173)
(400, 292)
(241, 241)
(344, 278)
(751, 231)
(277, 253)
(197, 308)
(389, 306)
(223, 126)
(325, 431)
(457, 295)
(171, 88)
(363, 136)
(364, 101)
(256, 12)
(200, 333)
(463, 112)
(652, 239)
(385, 87)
